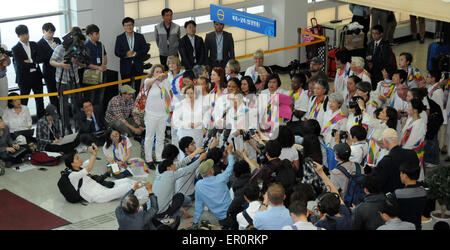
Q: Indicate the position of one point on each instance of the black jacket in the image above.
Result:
(86, 126)
(186, 52)
(366, 215)
(435, 120)
(140, 47)
(45, 53)
(23, 74)
(381, 57)
(388, 171)
(211, 47)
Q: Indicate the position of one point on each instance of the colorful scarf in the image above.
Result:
(413, 74)
(419, 149)
(372, 156)
(217, 92)
(295, 95)
(314, 111)
(406, 135)
(436, 87)
(333, 121)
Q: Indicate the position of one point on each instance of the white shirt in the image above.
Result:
(252, 209)
(437, 95)
(184, 115)
(120, 151)
(155, 105)
(327, 131)
(340, 81)
(27, 49)
(17, 122)
(301, 103)
(363, 75)
(303, 226)
(290, 154)
(252, 72)
(359, 152)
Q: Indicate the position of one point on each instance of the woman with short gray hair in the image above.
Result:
(333, 119)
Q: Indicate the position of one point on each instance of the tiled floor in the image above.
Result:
(40, 187)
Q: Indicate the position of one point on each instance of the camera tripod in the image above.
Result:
(75, 98)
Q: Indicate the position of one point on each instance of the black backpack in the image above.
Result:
(66, 188)
(355, 190)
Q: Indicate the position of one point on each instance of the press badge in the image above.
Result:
(98, 60)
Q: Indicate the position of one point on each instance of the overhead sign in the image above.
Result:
(243, 20)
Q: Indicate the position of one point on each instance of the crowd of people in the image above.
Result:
(255, 155)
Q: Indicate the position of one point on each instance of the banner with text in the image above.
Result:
(243, 20)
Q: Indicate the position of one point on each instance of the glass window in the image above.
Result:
(181, 5)
(10, 39)
(132, 10)
(150, 8)
(256, 9)
(202, 4)
(232, 1)
(182, 21)
(25, 7)
(256, 43)
(203, 19)
(148, 28)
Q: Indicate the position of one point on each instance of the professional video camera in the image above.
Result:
(6, 52)
(74, 47)
(247, 135)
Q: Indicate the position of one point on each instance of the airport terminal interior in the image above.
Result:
(35, 187)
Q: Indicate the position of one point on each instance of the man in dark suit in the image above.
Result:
(90, 124)
(219, 46)
(28, 73)
(378, 55)
(46, 47)
(131, 48)
(192, 47)
(388, 169)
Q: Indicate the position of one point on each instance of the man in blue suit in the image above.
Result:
(131, 48)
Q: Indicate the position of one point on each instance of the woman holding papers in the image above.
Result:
(333, 119)
(269, 104)
(117, 150)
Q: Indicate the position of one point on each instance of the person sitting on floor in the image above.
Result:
(130, 216)
(92, 191)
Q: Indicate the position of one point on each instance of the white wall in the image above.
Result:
(107, 15)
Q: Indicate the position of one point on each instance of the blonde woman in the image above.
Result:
(253, 71)
(157, 111)
(175, 80)
(232, 69)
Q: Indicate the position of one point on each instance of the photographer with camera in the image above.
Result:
(5, 61)
(358, 144)
(28, 73)
(348, 94)
(67, 62)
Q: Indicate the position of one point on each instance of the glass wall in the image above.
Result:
(246, 42)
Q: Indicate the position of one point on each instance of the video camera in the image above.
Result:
(6, 52)
(74, 48)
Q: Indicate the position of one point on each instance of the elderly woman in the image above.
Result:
(357, 68)
(318, 104)
(268, 103)
(232, 69)
(333, 119)
(253, 71)
(264, 72)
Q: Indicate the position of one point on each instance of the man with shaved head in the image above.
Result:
(387, 169)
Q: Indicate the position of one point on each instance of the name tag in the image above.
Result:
(99, 60)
